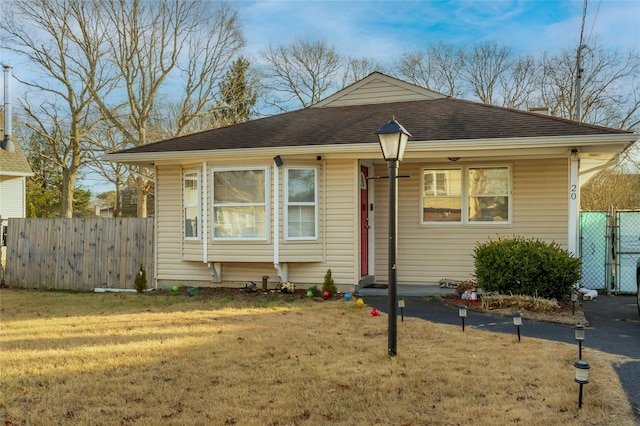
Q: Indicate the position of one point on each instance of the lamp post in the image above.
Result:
(582, 377)
(462, 313)
(393, 140)
(574, 299)
(579, 338)
(517, 321)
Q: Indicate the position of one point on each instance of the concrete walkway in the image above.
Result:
(406, 291)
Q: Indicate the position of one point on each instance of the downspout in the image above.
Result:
(155, 227)
(203, 214)
(574, 202)
(281, 269)
(276, 218)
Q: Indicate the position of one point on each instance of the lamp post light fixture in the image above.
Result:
(574, 299)
(393, 140)
(517, 321)
(462, 313)
(401, 306)
(582, 377)
(579, 338)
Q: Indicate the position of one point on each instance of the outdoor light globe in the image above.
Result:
(393, 140)
(579, 332)
(462, 311)
(582, 371)
(517, 319)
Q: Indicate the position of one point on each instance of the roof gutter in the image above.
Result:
(373, 148)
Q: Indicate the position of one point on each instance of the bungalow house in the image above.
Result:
(293, 195)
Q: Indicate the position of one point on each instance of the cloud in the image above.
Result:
(384, 29)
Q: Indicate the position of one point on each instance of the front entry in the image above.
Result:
(364, 221)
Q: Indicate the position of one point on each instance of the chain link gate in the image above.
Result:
(627, 250)
(593, 249)
(610, 250)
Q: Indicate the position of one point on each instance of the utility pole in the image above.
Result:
(579, 69)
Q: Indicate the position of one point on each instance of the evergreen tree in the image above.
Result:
(239, 95)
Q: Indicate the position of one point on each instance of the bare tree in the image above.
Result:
(437, 69)
(153, 42)
(45, 33)
(611, 188)
(301, 72)
(518, 85)
(358, 68)
(484, 67)
(105, 139)
(609, 88)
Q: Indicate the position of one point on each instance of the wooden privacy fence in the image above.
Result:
(78, 254)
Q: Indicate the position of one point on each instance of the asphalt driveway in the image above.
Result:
(614, 327)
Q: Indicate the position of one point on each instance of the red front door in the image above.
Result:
(364, 221)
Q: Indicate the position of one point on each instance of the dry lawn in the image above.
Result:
(107, 359)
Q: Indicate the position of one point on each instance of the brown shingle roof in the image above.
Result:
(436, 119)
(14, 162)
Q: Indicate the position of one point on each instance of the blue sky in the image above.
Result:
(384, 29)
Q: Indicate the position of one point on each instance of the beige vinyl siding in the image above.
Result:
(428, 253)
(337, 246)
(544, 210)
(170, 249)
(376, 92)
(338, 235)
(342, 225)
(12, 196)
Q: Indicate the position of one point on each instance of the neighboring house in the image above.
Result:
(14, 170)
(128, 205)
(290, 196)
(129, 202)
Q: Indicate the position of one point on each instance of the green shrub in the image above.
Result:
(528, 267)
(329, 285)
(141, 280)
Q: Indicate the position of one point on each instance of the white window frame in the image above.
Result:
(465, 195)
(288, 203)
(196, 205)
(265, 204)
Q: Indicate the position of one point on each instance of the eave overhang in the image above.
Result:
(500, 147)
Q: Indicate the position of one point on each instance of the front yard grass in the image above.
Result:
(142, 359)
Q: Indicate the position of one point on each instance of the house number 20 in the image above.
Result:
(574, 192)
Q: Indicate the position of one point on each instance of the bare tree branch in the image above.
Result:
(302, 72)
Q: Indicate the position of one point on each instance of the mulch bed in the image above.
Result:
(233, 293)
(564, 315)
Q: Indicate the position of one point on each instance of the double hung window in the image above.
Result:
(191, 204)
(239, 204)
(466, 195)
(301, 203)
